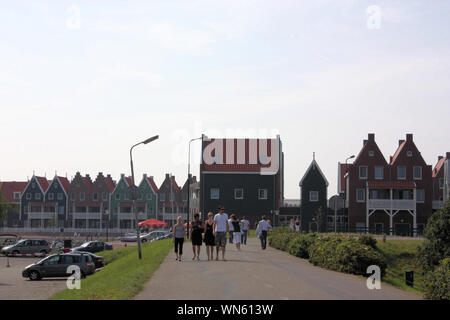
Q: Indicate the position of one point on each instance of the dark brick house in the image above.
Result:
(439, 182)
(314, 196)
(170, 201)
(392, 197)
(32, 204)
(243, 175)
(11, 193)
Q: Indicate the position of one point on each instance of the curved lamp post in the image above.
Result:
(133, 192)
(345, 188)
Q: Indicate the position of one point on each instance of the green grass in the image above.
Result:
(123, 277)
(401, 256)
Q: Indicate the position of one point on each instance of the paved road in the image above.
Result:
(14, 287)
(254, 274)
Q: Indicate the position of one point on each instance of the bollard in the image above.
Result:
(7, 262)
(384, 237)
(409, 278)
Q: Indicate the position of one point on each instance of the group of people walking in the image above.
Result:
(213, 232)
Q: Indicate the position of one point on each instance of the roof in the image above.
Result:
(439, 166)
(152, 184)
(313, 165)
(245, 157)
(9, 187)
(65, 183)
(391, 184)
(87, 182)
(396, 154)
(129, 181)
(43, 182)
(110, 184)
(175, 185)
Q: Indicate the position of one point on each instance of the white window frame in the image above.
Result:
(16, 195)
(93, 196)
(311, 198)
(211, 193)
(409, 153)
(414, 173)
(371, 153)
(117, 196)
(382, 173)
(359, 173)
(364, 195)
(171, 197)
(51, 196)
(149, 196)
(265, 194)
(37, 196)
(398, 171)
(59, 196)
(28, 196)
(417, 198)
(236, 190)
(105, 196)
(441, 183)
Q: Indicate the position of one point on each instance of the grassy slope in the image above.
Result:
(124, 275)
(400, 256)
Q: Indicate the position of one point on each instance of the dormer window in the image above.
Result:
(371, 153)
(409, 153)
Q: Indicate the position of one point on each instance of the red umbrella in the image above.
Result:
(190, 224)
(153, 223)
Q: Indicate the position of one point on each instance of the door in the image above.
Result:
(66, 262)
(51, 266)
(378, 228)
(27, 247)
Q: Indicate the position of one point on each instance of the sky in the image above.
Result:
(82, 81)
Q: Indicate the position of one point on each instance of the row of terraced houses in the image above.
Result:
(378, 196)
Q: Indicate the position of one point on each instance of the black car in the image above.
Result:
(57, 266)
(93, 246)
(99, 261)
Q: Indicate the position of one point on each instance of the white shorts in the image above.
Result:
(237, 237)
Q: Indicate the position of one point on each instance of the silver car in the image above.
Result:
(27, 246)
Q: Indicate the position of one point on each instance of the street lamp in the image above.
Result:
(133, 192)
(189, 182)
(107, 225)
(345, 187)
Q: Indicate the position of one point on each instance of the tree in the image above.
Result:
(436, 246)
(4, 206)
(320, 218)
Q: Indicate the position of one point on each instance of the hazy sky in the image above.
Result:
(82, 81)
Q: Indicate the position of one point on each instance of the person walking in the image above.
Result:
(209, 236)
(297, 225)
(230, 225)
(221, 228)
(178, 235)
(196, 236)
(292, 225)
(236, 231)
(264, 227)
(244, 230)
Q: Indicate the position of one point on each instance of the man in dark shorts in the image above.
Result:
(221, 229)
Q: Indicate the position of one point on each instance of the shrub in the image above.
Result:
(299, 244)
(436, 246)
(437, 283)
(280, 237)
(368, 241)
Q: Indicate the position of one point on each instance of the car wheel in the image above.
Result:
(15, 252)
(34, 275)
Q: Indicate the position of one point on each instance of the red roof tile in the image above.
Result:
(152, 184)
(399, 149)
(87, 182)
(110, 184)
(65, 183)
(438, 167)
(43, 182)
(9, 187)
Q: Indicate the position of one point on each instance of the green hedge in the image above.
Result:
(352, 255)
(437, 283)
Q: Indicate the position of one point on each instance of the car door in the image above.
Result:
(51, 266)
(27, 247)
(66, 262)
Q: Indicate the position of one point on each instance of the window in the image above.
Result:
(239, 193)
(214, 193)
(37, 196)
(409, 153)
(51, 196)
(314, 196)
(117, 196)
(420, 194)
(105, 196)
(16, 195)
(185, 196)
(72, 196)
(172, 197)
(378, 172)
(28, 196)
(60, 196)
(33, 185)
(66, 259)
(162, 197)
(441, 183)
(417, 173)
(95, 196)
(371, 153)
(360, 195)
(363, 172)
(149, 196)
(82, 196)
(401, 172)
(262, 194)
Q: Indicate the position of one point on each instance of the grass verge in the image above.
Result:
(401, 256)
(123, 277)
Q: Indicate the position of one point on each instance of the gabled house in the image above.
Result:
(32, 204)
(148, 197)
(170, 201)
(11, 193)
(56, 201)
(81, 208)
(438, 176)
(313, 192)
(100, 190)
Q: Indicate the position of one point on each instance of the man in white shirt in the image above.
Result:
(265, 227)
(220, 229)
(244, 228)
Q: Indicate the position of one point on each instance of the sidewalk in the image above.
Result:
(255, 274)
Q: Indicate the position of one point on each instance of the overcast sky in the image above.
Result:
(82, 81)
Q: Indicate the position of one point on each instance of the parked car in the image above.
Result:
(56, 265)
(153, 235)
(99, 261)
(7, 240)
(93, 246)
(27, 246)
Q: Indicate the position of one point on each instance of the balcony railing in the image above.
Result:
(86, 215)
(130, 216)
(394, 204)
(41, 215)
(438, 204)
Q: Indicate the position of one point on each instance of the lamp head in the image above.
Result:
(150, 139)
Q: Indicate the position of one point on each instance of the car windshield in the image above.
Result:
(84, 245)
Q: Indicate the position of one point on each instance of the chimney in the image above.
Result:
(145, 176)
(409, 137)
(364, 142)
(439, 158)
(400, 142)
(122, 175)
(371, 136)
(447, 155)
(167, 176)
